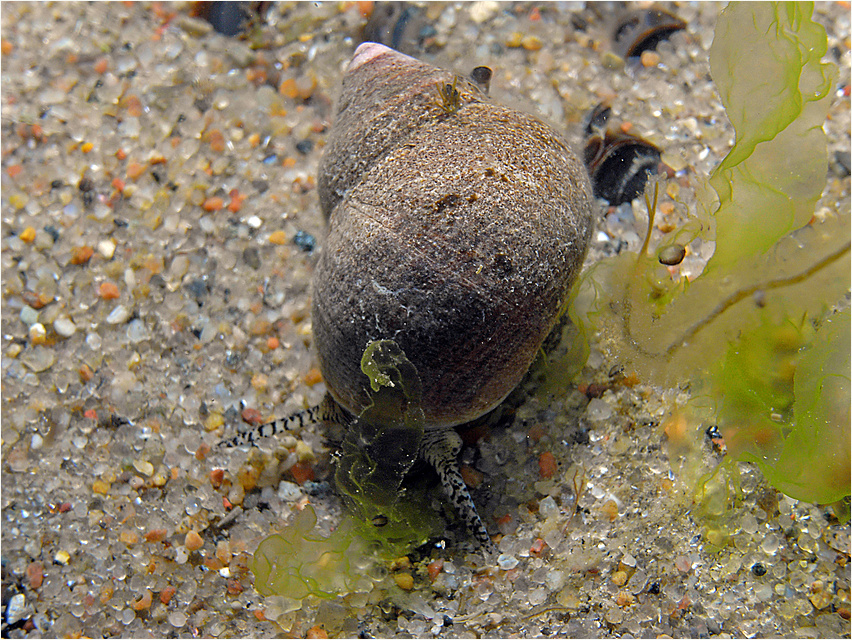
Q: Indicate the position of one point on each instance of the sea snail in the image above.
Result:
(456, 227)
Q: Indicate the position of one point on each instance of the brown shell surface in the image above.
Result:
(457, 235)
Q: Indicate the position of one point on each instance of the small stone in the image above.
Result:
(506, 562)
(166, 594)
(62, 557)
(81, 255)
(16, 608)
(614, 616)
(118, 315)
(64, 327)
(177, 619)
(289, 491)
(128, 537)
(404, 581)
(29, 316)
(619, 578)
(650, 58)
(35, 574)
(144, 467)
(37, 333)
(278, 237)
(598, 410)
(483, 11)
(106, 248)
(531, 43)
(101, 487)
(38, 358)
(548, 507)
(28, 234)
(36, 442)
(193, 541)
(156, 535)
(108, 290)
(144, 602)
(137, 331)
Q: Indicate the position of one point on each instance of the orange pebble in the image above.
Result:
(134, 170)
(35, 574)
(143, 602)
(28, 234)
(15, 170)
(86, 374)
(193, 541)
(101, 64)
(6, 47)
(156, 535)
(121, 154)
(252, 416)
(547, 466)
(434, 568)
(313, 376)
(217, 140)
(365, 8)
(118, 184)
(108, 290)
(134, 106)
(81, 255)
(166, 594)
(302, 471)
(272, 343)
(316, 632)
(86, 147)
(213, 204)
(471, 476)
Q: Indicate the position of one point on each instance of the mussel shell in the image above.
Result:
(642, 30)
(400, 26)
(619, 165)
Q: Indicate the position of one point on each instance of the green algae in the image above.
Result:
(777, 269)
(387, 510)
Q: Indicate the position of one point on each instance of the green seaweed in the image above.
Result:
(385, 509)
(777, 269)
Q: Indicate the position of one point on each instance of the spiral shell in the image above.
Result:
(456, 228)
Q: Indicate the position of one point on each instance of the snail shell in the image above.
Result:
(456, 228)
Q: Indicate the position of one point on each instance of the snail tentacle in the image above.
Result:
(326, 411)
(440, 448)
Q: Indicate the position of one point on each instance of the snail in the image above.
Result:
(456, 227)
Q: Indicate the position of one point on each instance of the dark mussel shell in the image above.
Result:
(642, 30)
(230, 18)
(399, 25)
(618, 163)
(481, 77)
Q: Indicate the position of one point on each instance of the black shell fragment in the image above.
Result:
(618, 163)
(399, 25)
(642, 30)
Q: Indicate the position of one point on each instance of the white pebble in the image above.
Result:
(254, 222)
(64, 327)
(177, 619)
(29, 316)
(548, 507)
(118, 315)
(289, 491)
(507, 562)
(15, 609)
(598, 410)
(106, 248)
(36, 442)
(37, 331)
(137, 331)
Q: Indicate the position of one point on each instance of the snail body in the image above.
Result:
(456, 227)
